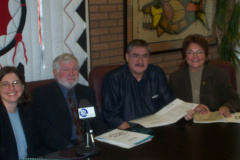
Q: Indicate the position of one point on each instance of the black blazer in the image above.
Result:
(8, 144)
(53, 116)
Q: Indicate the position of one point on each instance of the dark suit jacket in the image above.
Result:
(215, 90)
(8, 144)
(54, 118)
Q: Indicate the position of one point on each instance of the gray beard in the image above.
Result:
(67, 85)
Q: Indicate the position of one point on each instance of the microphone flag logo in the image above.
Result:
(83, 112)
(87, 112)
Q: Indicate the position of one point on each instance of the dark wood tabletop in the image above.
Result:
(182, 140)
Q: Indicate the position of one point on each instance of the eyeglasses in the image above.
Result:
(198, 53)
(137, 56)
(15, 84)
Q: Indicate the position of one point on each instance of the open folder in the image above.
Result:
(169, 114)
(123, 138)
(215, 117)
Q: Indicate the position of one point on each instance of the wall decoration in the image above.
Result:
(34, 32)
(165, 23)
(13, 13)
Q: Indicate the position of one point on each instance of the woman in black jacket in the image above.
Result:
(16, 125)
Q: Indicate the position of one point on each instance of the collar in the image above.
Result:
(130, 75)
(65, 90)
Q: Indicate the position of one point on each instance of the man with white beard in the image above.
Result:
(56, 103)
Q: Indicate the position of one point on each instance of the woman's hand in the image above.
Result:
(189, 115)
(202, 109)
(224, 110)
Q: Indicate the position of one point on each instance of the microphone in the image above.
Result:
(86, 112)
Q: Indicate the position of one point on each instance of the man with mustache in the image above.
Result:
(135, 90)
(58, 128)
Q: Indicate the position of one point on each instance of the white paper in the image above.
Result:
(169, 114)
(124, 139)
(235, 118)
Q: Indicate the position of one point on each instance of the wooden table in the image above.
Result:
(182, 140)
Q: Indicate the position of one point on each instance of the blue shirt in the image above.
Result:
(125, 99)
(19, 134)
(65, 92)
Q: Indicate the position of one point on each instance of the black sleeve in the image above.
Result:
(50, 139)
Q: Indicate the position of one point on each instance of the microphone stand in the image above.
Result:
(88, 149)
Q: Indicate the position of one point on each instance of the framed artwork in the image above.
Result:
(165, 23)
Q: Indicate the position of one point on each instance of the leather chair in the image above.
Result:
(227, 66)
(95, 81)
(34, 84)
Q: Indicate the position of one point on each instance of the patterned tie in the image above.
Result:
(77, 122)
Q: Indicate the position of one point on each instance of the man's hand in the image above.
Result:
(124, 125)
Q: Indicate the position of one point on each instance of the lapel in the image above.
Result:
(187, 90)
(205, 84)
(7, 131)
(26, 122)
(60, 100)
(84, 93)
(78, 93)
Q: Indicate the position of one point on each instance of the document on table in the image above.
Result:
(169, 114)
(215, 117)
(123, 138)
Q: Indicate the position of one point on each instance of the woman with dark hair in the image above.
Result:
(203, 83)
(16, 131)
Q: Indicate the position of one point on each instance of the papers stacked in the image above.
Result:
(215, 117)
(124, 139)
(167, 115)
